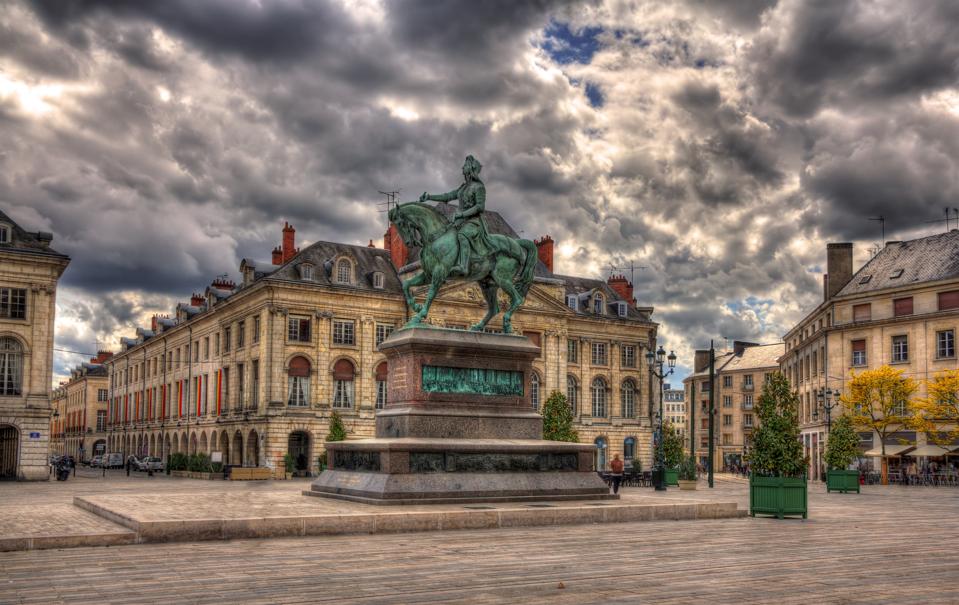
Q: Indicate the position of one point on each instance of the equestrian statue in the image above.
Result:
(463, 248)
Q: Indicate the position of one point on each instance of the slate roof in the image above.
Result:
(27, 242)
(322, 256)
(760, 356)
(584, 288)
(926, 259)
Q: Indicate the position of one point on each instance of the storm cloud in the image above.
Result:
(718, 145)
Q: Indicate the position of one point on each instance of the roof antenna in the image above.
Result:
(882, 226)
(632, 270)
(389, 203)
(947, 220)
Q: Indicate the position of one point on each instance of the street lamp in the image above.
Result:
(824, 399)
(654, 361)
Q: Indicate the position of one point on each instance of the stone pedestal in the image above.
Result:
(458, 427)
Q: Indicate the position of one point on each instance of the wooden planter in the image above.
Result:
(687, 485)
(672, 476)
(778, 496)
(842, 481)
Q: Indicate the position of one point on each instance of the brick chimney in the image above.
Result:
(153, 323)
(197, 300)
(622, 286)
(393, 243)
(222, 283)
(838, 268)
(545, 247)
(102, 356)
(277, 256)
(289, 234)
(741, 345)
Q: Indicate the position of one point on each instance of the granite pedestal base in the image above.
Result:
(458, 426)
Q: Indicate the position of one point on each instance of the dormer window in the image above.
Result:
(344, 272)
(4, 234)
(598, 305)
(378, 280)
(571, 301)
(896, 274)
(306, 271)
(865, 279)
(621, 309)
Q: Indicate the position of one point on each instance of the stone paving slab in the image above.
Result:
(220, 515)
(42, 525)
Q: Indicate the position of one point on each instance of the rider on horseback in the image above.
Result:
(468, 221)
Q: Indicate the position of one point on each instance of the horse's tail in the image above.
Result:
(529, 265)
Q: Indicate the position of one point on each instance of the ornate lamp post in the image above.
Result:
(655, 361)
(824, 399)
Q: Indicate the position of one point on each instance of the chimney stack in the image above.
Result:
(102, 356)
(838, 267)
(197, 300)
(288, 241)
(622, 286)
(222, 283)
(700, 360)
(741, 345)
(544, 246)
(393, 243)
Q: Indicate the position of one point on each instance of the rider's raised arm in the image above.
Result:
(443, 197)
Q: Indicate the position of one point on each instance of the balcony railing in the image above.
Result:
(747, 406)
(748, 386)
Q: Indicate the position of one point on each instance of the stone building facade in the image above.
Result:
(79, 422)
(29, 272)
(254, 370)
(739, 376)
(901, 309)
(674, 408)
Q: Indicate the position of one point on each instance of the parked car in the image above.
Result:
(114, 460)
(96, 461)
(148, 463)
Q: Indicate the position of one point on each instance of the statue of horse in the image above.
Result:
(509, 263)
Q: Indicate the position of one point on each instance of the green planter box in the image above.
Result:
(778, 496)
(672, 476)
(842, 481)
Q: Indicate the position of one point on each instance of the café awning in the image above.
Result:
(926, 450)
(891, 450)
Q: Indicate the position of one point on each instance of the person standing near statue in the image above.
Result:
(616, 466)
(471, 231)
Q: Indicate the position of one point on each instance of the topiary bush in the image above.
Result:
(777, 450)
(178, 461)
(842, 446)
(672, 446)
(199, 463)
(558, 419)
(337, 430)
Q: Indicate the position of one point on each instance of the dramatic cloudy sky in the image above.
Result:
(718, 144)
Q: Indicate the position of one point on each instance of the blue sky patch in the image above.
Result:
(594, 94)
(567, 46)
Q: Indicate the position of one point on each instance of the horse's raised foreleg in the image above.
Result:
(435, 283)
(490, 289)
(503, 273)
(417, 280)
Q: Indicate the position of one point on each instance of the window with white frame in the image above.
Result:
(102, 394)
(628, 396)
(572, 350)
(298, 328)
(748, 420)
(240, 334)
(344, 271)
(858, 352)
(101, 420)
(11, 366)
(945, 344)
(629, 448)
(299, 382)
(343, 394)
(378, 280)
(383, 331)
(747, 402)
(727, 381)
(621, 308)
(255, 337)
(572, 302)
(343, 333)
(727, 401)
(534, 390)
(628, 356)
(306, 272)
(599, 398)
(599, 305)
(900, 349)
(599, 357)
(4, 234)
(380, 394)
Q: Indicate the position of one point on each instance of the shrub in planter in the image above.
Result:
(178, 461)
(199, 463)
(216, 467)
(321, 462)
(289, 463)
(687, 473)
(842, 448)
(558, 419)
(637, 465)
(777, 482)
(671, 452)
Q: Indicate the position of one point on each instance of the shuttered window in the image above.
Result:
(862, 312)
(902, 306)
(949, 300)
(859, 352)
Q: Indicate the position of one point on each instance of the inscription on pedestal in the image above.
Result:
(453, 462)
(356, 461)
(477, 381)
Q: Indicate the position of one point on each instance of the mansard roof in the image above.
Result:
(584, 288)
(26, 242)
(323, 256)
(913, 262)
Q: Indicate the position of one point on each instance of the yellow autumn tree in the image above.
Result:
(881, 400)
(940, 407)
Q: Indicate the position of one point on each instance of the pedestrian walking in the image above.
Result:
(616, 466)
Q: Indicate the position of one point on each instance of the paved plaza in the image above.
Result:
(889, 544)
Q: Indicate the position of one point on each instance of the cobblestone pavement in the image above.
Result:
(887, 545)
